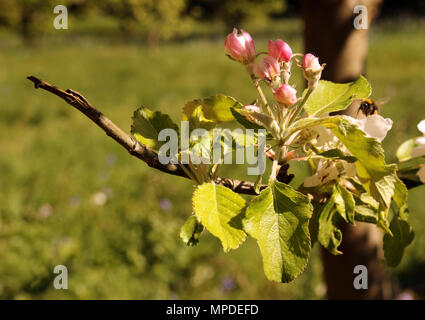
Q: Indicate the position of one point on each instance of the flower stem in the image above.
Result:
(275, 165)
(300, 107)
(262, 96)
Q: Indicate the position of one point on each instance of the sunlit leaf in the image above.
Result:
(191, 231)
(404, 152)
(330, 97)
(336, 154)
(344, 203)
(216, 108)
(278, 219)
(147, 125)
(394, 246)
(218, 209)
(330, 235)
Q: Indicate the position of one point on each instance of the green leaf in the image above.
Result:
(244, 121)
(345, 204)
(377, 177)
(411, 165)
(191, 231)
(147, 125)
(369, 200)
(394, 246)
(218, 209)
(366, 214)
(216, 108)
(243, 139)
(330, 236)
(408, 169)
(337, 154)
(370, 155)
(309, 122)
(313, 226)
(330, 97)
(366, 209)
(278, 219)
(204, 146)
(380, 184)
(198, 120)
(403, 213)
(400, 193)
(404, 152)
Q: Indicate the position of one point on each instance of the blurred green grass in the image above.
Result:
(54, 164)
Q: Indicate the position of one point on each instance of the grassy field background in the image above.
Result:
(70, 195)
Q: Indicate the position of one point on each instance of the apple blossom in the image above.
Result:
(267, 68)
(374, 126)
(280, 50)
(286, 95)
(311, 63)
(312, 70)
(326, 171)
(240, 46)
(325, 139)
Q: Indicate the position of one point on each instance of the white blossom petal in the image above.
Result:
(421, 126)
(312, 181)
(325, 138)
(420, 140)
(377, 126)
(325, 172)
(374, 126)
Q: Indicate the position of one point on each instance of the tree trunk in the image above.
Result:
(329, 33)
(26, 24)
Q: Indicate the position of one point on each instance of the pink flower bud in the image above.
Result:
(311, 64)
(312, 70)
(286, 95)
(280, 50)
(240, 46)
(267, 68)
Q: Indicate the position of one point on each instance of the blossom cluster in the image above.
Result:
(275, 68)
(374, 126)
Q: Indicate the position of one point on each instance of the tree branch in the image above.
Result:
(135, 148)
(146, 154)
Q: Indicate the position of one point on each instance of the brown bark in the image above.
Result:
(329, 33)
(361, 245)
